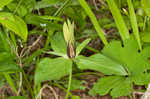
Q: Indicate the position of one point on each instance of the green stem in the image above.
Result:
(69, 84)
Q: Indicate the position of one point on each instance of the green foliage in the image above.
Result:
(4, 3)
(17, 97)
(94, 20)
(52, 69)
(137, 66)
(7, 63)
(61, 46)
(68, 30)
(146, 6)
(75, 97)
(21, 11)
(15, 24)
(145, 37)
(118, 20)
(100, 63)
(39, 20)
(120, 66)
(119, 86)
(134, 23)
(81, 46)
(77, 84)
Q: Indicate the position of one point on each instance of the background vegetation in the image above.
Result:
(74, 49)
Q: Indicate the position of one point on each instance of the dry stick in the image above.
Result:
(47, 86)
(38, 39)
(21, 65)
(102, 2)
(138, 93)
(20, 62)
(147, 93)
(94, 2)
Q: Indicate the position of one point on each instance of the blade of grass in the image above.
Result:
(94, 20)
(124, 33)
(134, 23)
(10, 81)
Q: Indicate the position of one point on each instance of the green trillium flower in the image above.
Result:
(68, 29)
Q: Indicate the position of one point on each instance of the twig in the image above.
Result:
(21, 65)
(47, 86)
(146, 95)
(34, 43)
(138, 93)
(102, 2)
(94, 2)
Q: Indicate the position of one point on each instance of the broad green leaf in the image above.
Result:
(118, 86)
(21, 10)
(124, 33)
(121, 54)
(145, 37)
(4, 3)
(58, 43)
(43, 21)
(52, 69)
(141, 79)
(75, 97)
(100, 63)
(46, 3)
(76, 84)
(104, 85)
(81, 46)
(136, 63)
(15, 24)
(124, 88)
(16, 97)
(4, 43)
(7, 63)
(57, 54)
(146, 6)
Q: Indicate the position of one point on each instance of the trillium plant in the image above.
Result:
(113, 61)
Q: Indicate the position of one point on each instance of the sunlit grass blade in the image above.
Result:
(134, 23)
(123, 30)
(94, 20)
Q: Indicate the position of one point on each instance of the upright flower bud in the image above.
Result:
(68, 29)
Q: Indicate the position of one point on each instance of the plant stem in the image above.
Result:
(69, 84)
